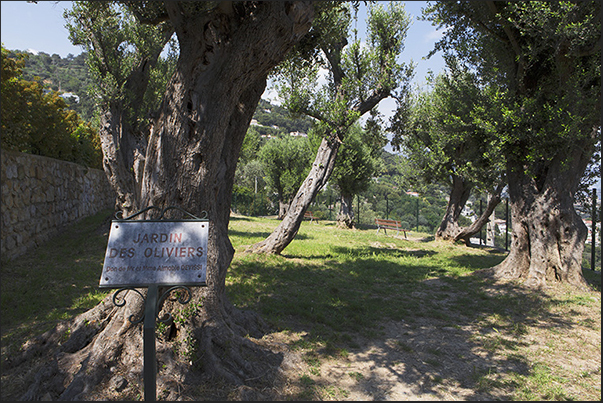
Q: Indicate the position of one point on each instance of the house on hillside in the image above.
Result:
(67, 95)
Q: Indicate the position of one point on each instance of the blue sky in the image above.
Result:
(40, 27)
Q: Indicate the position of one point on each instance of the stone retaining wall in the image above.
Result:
(41, 195)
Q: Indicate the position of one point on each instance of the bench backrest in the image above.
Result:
(388, 222)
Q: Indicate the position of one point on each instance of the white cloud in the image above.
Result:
(434, 36)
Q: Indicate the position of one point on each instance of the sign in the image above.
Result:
(142, 253)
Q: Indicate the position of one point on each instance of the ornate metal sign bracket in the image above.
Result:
(161, 215)
(167, 318)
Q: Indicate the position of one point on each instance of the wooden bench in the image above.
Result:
(308, 215)
(390, 224)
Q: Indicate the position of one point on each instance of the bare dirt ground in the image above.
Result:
(555, 357)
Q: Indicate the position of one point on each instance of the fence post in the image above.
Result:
(480, 214)
(417, 213)
(593, 230)
(149, 348)
(358, 196)
(507, 224)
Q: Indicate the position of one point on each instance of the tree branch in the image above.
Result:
(364, 106)
(477, 225)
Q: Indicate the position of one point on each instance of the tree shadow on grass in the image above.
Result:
(44, 285)
(366, 251)
(239, 218)
(407, 329)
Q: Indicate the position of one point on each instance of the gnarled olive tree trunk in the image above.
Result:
(321, 169)
(187, 159)
(449, 229)
(548, 235)
(345, 217)
(465, 233)
(459, 194)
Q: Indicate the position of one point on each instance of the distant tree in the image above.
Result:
(358, 161)
(359, 78)
(446, 141)
(68, 75)
(286, 162)
(251, 145)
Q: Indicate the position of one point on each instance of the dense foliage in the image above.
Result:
(38, 121)
(68, 76)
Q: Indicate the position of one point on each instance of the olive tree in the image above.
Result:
(447, 141)
(545, 59)
(183, 154)
(359, 77)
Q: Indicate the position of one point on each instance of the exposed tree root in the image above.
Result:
(99, 354)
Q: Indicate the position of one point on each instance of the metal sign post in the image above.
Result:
(154, 253)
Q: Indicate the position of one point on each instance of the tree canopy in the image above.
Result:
(449, 141)
(286, 162)
(358, 79)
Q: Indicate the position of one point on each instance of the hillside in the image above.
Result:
(70, 75)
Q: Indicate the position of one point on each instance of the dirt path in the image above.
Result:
(426, 360)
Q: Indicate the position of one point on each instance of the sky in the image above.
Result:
(41, 27)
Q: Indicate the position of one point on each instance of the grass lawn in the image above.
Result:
(372, 316)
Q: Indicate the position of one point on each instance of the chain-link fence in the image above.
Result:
(420, 213)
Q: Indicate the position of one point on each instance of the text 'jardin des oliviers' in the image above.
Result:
(140, 253)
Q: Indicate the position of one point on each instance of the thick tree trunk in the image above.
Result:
(123, 142)
(449, 229)
(459, 194)
(322, 168)
(123, 159)
(190, 161)
(345, 218)
(192, 154)
(548, 235)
